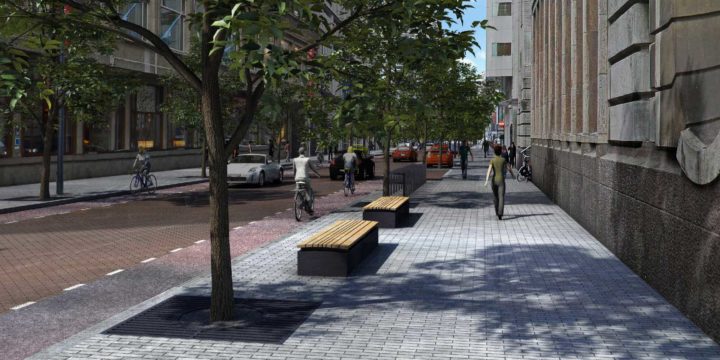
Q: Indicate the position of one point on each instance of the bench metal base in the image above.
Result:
(335, 262)
(389, 219)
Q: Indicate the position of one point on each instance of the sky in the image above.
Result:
(473, 14)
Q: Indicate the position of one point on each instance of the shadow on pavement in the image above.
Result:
(560, 301)
(512, 217)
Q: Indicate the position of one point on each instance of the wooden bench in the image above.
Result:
(337, 249)
(388, 211)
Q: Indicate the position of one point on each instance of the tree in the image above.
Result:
(252, 31)
(376, 55)
(41, 65)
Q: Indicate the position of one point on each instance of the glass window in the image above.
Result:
(504, 9)
(96, 138)
(176, 5)
(135, 12)
(172, 23)
(502, 49)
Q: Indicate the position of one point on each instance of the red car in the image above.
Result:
(433, 157)
(404, 153)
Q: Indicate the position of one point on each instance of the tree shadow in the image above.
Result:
(518, 216)
(550, 300)
(454, 199)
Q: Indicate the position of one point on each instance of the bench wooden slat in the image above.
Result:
(327, 236)
(387, 203)
(342, 234)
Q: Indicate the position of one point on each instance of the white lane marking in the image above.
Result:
(39, 217)
(288, 209)
(106, 205)
(11, 222)
(252, 222)
(200, 241)
(147, 260)
(18, 307)
(85, 209)
(278, 213)
(176, 250)
(237, 228)
(74, 287)
(115, 272)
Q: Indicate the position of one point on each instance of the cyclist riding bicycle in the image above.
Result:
(143, 159)
(302, 167)
(350, 160)
(464, 151)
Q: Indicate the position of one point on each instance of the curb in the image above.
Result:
(88, 198)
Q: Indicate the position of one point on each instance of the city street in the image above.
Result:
(455, 283)
(44, 251)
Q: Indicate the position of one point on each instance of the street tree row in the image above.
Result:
(398, 60)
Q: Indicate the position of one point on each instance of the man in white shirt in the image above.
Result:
(351, 161)
(302, 167)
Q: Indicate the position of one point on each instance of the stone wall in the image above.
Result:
(638, 160)
(27, 170)
(639, 205)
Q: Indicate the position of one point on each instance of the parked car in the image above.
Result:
(255, 169)
(404, 153)
(364, 170)
(433, 157)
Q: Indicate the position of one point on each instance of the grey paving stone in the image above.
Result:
(457, 284)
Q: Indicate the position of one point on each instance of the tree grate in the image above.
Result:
(187, 317)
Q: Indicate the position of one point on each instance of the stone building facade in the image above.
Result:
(108, 147)
(522, 72)
(625, 135)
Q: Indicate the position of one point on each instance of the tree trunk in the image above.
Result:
(425, 151)
(46, 157)
(386, 173)
(203, 161)
(221, 302)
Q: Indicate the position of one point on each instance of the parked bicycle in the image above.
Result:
(142, 181)
(304, 200)
(525, 171)
(349, 184)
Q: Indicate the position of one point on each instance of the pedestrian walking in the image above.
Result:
(287, 151)
(498, 167)
(512, 153)
(486, 147)
(504, 154)
(271, 148)
(464, 151)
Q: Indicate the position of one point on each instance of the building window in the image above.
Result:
(147, 126)
(172, 22)
(504, 9)
(502, 49)
(135, 12)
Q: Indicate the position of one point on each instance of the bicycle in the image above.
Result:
(349, 184)
(304, 201)
(525, 171)
(143, 181)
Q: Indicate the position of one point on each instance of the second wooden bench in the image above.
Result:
(388, 211)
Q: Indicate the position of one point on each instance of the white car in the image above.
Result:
(255, 169)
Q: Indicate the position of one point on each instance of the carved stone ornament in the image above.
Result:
(699, 158)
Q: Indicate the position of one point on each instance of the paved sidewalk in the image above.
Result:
(458, 283)
(24, 197)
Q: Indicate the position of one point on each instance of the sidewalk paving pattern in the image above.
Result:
(457, 284)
